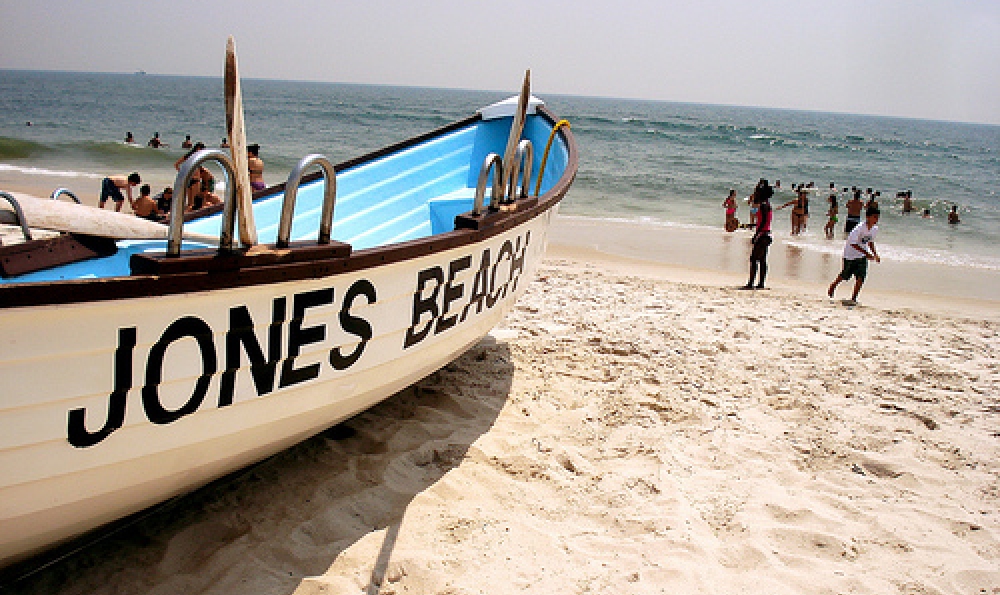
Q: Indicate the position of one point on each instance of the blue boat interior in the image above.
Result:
(405, 195)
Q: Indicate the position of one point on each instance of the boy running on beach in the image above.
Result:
(859, 249)
(112, 186)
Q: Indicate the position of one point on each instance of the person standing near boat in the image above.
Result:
(762, 237)
(112, 186)
(164, 200)
(859, 249)
(144, 206)
(202, 180)
(256, 166)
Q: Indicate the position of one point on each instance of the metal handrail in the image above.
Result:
(524, 150)
(492, 161)
(545, 154)
(291, 193)
(60, 191)
(184, 175)
(19, 213)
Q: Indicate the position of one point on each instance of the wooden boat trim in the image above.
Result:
(249, 269)
(65, 248)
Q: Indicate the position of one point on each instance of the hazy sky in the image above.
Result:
(937, 59)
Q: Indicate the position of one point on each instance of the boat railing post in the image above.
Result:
(184, 175)
(19, 213)
(525, 150)
(492, 161)
(292, 191)
(60, 191)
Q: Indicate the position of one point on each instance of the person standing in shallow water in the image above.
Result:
(762, 237)
(831, 214)
(854, 207)
(730, 204)
(953, 215)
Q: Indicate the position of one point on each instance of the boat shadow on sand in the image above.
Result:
(290, 516)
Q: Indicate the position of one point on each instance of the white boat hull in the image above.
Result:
(344, 342)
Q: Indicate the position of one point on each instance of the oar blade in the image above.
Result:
(238, 146)
(517, 127)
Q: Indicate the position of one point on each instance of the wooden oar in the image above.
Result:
(57, 215)
(238, 146)
(515, 135)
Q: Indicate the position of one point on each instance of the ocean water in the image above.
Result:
(650, 163)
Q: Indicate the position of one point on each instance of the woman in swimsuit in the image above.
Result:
(202, 179)
(256, 167)
(832, 215)
(800, 210)
(804, 209)
(730, 203)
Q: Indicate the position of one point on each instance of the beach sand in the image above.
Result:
(630, 428)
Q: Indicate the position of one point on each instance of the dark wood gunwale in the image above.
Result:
(139, 286)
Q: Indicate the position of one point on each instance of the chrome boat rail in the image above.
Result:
(60, 191)
(181, 182)
(492, 161)
(291, 193)
(19, 214)
(525, 153)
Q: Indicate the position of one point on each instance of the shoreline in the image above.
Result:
(715, 257)
(692, 254)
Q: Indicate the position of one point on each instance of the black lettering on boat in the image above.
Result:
(491, 284)
(76, 430)
(498, 293)
(241, 332)
(422, 305)
(452, 292)
(354, 325)
(517, 262)
(188, 326)
(480, 285)
(299, 336)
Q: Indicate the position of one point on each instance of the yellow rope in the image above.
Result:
(545, 156)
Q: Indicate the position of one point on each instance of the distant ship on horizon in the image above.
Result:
(140, 73)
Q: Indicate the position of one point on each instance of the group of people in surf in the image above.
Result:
(858, 249)
(856, 201)
(156, 142)
(199, 194)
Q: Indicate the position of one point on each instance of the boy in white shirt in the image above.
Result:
(859, 249)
